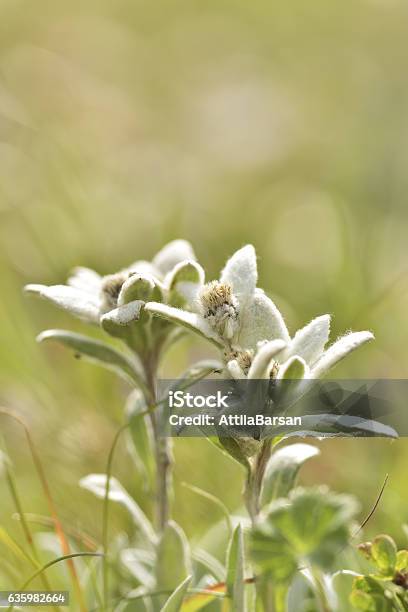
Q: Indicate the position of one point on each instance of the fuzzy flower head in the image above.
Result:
(227, 311)
(117, 301)
(220, 307)
(251, 333)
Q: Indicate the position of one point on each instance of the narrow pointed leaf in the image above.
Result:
(139, 563)
(210, 563)
(175, 601)
(141, 436)
(235, 571)
(81, 304)
(173, 562)
(309, 342)
(97, 352)
(337, 351)
(96, 484)
(198, 601)
(190, 320)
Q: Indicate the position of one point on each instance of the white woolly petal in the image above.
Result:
(171, 254)
(263, 360)
(191, 320)
(309, 342)
(85, 279)
(235, 369)
(295, 368)
(337, 351)
(241, 273)
(79, 303)
(262, 321)
(144, 267)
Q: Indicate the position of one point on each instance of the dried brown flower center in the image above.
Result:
(110, 289)
(220, 307)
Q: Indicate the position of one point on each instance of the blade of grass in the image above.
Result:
(50, 564)
(12, 484)
(17, 550)
(105, 516)
(217, 502)
(216, 591)
(58, 527)
(76, 534)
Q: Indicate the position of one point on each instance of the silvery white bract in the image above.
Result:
(249, 329)
(117, 301)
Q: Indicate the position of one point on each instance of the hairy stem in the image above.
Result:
(162, 450)
(254, 481)
(320, 591)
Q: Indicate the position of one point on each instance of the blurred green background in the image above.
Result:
(126, 124)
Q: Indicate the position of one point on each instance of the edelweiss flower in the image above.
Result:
(230, 312)
(249, 329)
(302, 357)
(117, 300)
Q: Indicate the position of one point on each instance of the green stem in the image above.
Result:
(162, 448)
(254, 481)
(320, 592)
(280, 593)
(105, 518)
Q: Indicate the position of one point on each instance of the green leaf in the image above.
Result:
(198, 601)
(235, 449)
(363, 601)
(316, 523)
(235, 570)
(402, 561)
(384, 554)
(282, 469)
(295, 368)
(214, 500)
(96, 483)
(15, 548)
(210, 563)
(311, 524)
(173, 562)
(138, 287)
(272, 554)
(97, 352)
(175, 601)
(368, 594)
(184, 282)
(141, 436)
